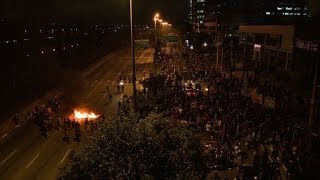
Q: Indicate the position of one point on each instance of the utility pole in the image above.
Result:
(221, 59)
(313, 100)
(133, 59)
(231, 55)
(155, 47)
(217, 60)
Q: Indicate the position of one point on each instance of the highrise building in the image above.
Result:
(206, 15)
(314, 6)
(285, 8)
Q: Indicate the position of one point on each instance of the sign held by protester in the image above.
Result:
(269, 102)
(256, 98)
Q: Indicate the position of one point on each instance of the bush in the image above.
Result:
(128, 148)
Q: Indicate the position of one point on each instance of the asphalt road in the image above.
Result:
(26, 154)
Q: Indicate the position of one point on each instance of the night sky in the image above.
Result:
(104, 11)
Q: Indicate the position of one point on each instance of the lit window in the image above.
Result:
(286, 14)
(201, 22)
(279, 8)
(267, 13)
(289, 8)
(297, 8)
(304, 14)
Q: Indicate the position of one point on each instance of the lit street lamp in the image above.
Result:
(205, 44)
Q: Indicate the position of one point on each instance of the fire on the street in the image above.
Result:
(83, 114)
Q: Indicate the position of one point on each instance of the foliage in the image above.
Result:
(128, 148)
(153, 103)
(154, 83)
(283, 76)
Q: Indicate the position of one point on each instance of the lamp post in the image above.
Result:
(133, 59)
(156, 16)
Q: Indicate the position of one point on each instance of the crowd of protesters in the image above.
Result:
(49, 117)
(212, 103)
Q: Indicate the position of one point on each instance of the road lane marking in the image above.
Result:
(103, 60)
(9, 156)
(106, 83)
(124, 63)
(109, 73)
(93, 83)
(30, 163)
(5, 135)
(64, 157)
(94, 88)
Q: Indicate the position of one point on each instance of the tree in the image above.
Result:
(129, 148)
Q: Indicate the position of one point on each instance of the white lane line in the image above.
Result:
(142, 54)
(64, 157)
(95, 87)
(9, 156)
(5, 135)
(30, 163)
(106, 83)
(103, 60)
(94, 83)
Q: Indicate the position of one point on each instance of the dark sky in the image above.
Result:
(108, 11)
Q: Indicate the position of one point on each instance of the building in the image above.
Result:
(270, 44)
(314, 6)
(291, 9)
(205, 16)
(190, 12)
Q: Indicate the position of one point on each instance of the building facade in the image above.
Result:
(206, 16)
(285, 8)
(272, 44)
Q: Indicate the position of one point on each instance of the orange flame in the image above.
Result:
(82, 114)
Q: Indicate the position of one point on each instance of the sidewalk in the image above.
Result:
(8, 126)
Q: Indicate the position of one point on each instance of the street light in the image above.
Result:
(155, 18)
(164, 23)
(133, 59)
